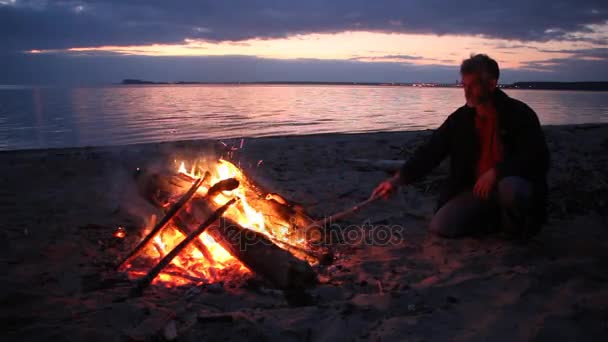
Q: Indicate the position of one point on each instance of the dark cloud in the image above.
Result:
(597, 53)
(385, 57)
(590, 65)
(405, 57)
(41, 24)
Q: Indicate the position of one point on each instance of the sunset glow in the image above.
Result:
(358, 45)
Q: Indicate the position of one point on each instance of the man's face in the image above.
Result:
(477, 89)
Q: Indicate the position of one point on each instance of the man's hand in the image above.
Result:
(387, 188)
(485, 184)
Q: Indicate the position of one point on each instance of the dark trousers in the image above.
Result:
(507, 208)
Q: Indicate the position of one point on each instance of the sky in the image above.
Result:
(97, 42)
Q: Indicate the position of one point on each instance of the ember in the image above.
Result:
(120, 233)
(258, 232)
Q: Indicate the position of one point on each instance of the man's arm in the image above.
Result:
(423, 161)
(532, 158)
(427, 156)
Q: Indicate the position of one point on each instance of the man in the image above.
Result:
(498, 161)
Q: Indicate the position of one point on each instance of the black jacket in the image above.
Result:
(525, 151)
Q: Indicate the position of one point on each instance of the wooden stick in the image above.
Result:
(309, 256)
(142, 283)
(343, 214)
(170, 213)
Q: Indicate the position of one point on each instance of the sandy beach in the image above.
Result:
(60, 207)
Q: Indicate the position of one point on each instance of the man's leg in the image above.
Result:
(462, 215)
(515, 201)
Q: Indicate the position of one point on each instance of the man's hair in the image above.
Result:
(480, 63)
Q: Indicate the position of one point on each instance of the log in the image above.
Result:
(160, 188)
(262, 256)
(223, 185)
(258, 195)
(143, 282)
(175, 208)
(296, 217)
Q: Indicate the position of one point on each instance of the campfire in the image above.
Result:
(219, 225)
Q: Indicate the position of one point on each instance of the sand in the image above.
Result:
(59, 209)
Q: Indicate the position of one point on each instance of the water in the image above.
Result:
(113, 115)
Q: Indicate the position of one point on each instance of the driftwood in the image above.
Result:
(161, 224)
(147, 279)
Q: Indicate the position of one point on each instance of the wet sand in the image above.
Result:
(59, 209)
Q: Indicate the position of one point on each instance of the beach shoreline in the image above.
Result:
(61, 206)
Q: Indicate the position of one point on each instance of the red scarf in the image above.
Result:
(490, 145)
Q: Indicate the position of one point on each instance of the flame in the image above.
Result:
(182, 168)
(192, 265)
(242, 213)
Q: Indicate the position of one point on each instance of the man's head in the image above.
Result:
(479, 78)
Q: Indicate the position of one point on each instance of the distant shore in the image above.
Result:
(590, 86)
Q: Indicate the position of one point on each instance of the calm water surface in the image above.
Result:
(42, 117)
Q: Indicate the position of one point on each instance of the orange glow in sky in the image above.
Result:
(362, 46)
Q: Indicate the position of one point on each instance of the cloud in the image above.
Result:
(41, 24)
(589, 65)
(404, 58)
(593, 53)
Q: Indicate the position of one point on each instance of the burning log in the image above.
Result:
(168, 216)
(147, 279)
(159, 188)
(262, 256)
(256, 251)
(291, 214)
